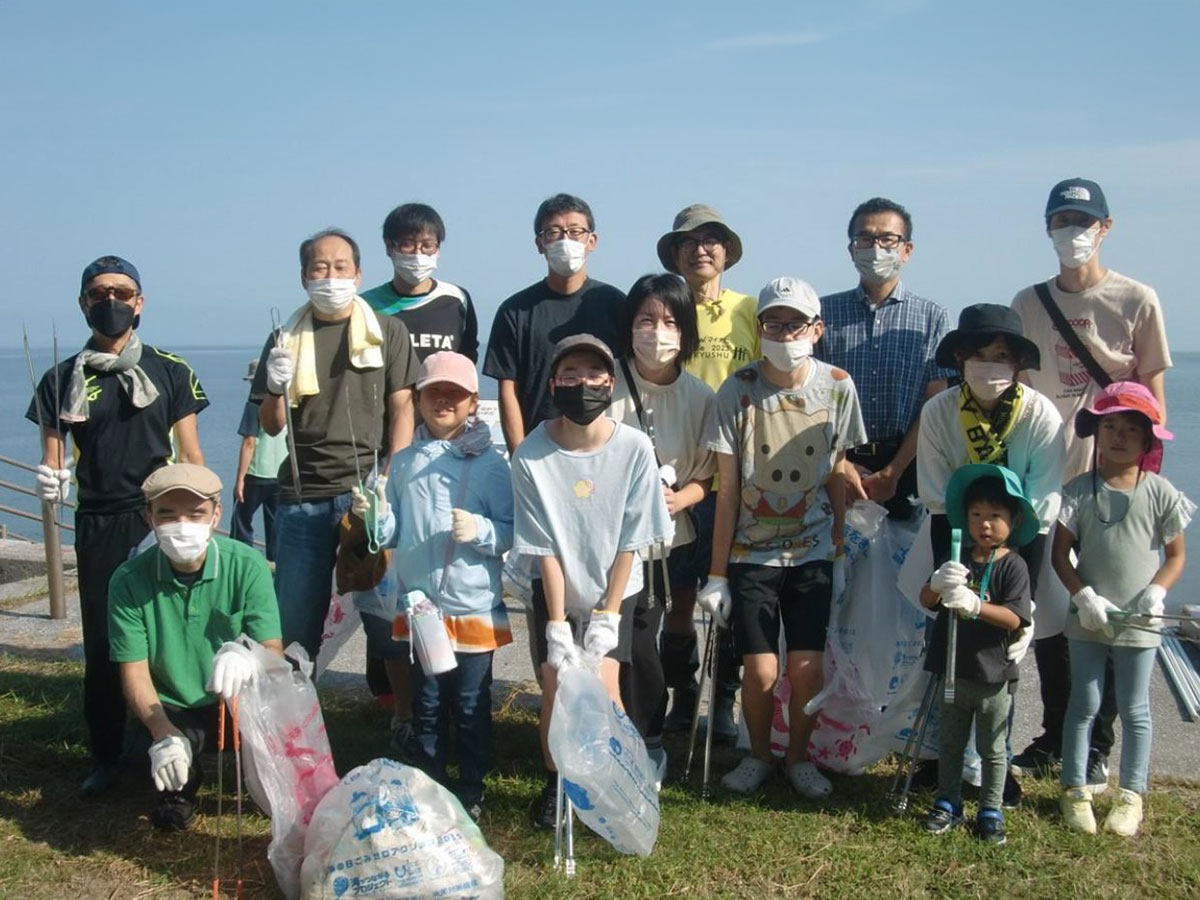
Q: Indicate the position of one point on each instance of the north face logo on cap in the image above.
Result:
(1077, 192)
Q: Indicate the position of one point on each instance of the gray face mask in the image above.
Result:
(876, 265)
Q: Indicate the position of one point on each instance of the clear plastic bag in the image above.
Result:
(390, 831)
(606, 771)
(289, 767)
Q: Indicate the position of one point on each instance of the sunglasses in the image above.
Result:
(96, 294)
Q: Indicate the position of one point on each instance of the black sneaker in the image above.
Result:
(989, 827)
(941, 818)
(546, 806)
(1012, 792)
(1037, 759)
(173, 813)
(1097, 772)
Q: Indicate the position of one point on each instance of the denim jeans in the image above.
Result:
(987, 705)
(256, 492)
(464, 695)
(1131, 676)
(306, 537)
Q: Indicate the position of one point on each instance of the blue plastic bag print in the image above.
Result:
(606, 771)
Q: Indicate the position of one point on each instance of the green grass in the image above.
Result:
(53, 845)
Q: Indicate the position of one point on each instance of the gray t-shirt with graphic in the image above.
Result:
(586, 507)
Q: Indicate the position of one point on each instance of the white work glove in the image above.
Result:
(53, 485)
(947, 576)
(963, 601)
(280, 369)
(1019, 647)
(714, 598)
(602, 633)
(1151, 601)
(560, 645)
(360, 502)
(463, 527)
(666, 474)
(1093, 610)
(170, 760)
(234, 667)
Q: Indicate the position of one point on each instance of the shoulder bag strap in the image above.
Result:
(1069, 335)
(637, 406)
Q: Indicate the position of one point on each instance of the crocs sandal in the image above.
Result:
(808, 782)
(749, 775)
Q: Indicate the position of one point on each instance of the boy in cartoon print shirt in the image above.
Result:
(587, 498)
(780, 431)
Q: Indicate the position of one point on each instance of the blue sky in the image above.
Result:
(204, 141)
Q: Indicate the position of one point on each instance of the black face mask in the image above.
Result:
(111, 317)
(583, 403)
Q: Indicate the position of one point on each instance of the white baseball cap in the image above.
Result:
(794, 293)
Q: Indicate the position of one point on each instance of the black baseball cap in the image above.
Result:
(108, 265)
(1077, 194)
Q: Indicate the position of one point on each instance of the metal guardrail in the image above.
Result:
(50, 537)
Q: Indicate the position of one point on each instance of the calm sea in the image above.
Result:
(221, 371)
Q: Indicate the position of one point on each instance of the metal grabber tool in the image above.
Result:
(564, 833)
(237, 763)
(948, 679)
(371, 522)
(277, 327)
(907, 766)
(216, 884)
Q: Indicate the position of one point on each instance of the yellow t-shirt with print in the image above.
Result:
(728, 337)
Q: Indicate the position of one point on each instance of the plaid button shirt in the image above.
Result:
(888, 351)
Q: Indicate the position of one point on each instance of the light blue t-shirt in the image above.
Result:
(586, 507)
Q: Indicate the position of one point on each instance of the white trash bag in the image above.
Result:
(390, 831)
(289, 766)
(606, 771)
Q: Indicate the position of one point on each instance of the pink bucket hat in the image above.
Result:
(1122, 396)
(448, 367)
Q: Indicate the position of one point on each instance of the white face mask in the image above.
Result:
(988, 380)
(787, 355)
(876, 265)
(1075, 244)
(183, 542)
(331, 295)
(413, 268)
(655, 347)
(566, 257)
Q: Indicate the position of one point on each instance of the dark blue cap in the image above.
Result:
(109, 265)
(1077, 194)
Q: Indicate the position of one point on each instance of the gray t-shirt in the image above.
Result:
(1117, 560)
(786, 443)
(586, 507)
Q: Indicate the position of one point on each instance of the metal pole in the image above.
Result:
(948, 679)
(54, 570)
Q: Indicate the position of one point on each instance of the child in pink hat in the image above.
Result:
(1116, 517)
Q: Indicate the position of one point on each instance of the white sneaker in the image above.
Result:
(1076, 806)
(748, 777)
(808, 781)
(1125, 818)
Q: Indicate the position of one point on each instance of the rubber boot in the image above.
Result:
(725, 728)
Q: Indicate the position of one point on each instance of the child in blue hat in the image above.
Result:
(990, 593)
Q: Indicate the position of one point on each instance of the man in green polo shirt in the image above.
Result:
(174, 612)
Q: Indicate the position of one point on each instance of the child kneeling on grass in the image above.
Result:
(447, 509)
(780, 432)
(990, 594)
(588, 498)
(1116, 517)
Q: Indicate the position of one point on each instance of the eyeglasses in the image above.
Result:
(575, 233)
(576, 380)
(777, 329)
(886, 241)
(707, 244)
(426, 247)
(103, 292)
